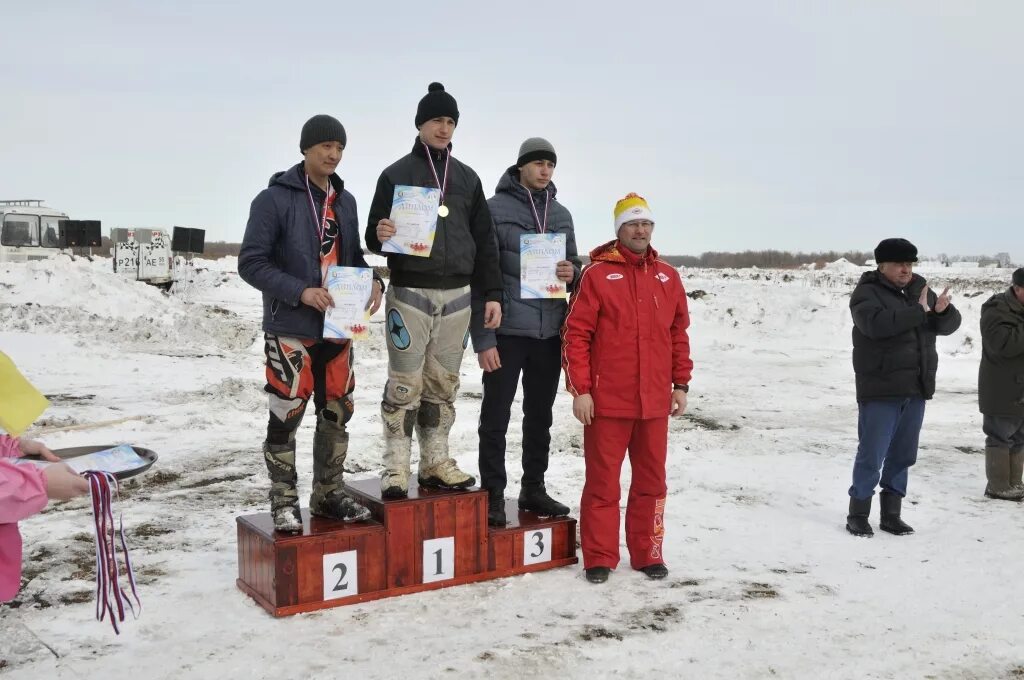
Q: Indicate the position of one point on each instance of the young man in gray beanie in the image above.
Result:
(528, 341)
(1001, 390)
(895, 320)
(428, 302)
(299, 226)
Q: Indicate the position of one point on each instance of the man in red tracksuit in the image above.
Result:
(627, 363)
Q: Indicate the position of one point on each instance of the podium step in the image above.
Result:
(530, 542)
(432, 539)
(328, 562)
(432, 535)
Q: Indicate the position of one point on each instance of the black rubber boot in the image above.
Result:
(597, 574)
(535, 499)
(890, 521)
(1001, 475)
(857, 521)
(496, 509)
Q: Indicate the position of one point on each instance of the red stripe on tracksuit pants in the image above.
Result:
(605, 443)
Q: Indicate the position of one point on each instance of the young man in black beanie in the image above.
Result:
(1001, 390)
(895, 320)
(299, 226)
(428, 301)
(528, 341)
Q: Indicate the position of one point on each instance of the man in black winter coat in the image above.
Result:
(1001, 390)
(428, 301)
(298, 227)
(895, 320)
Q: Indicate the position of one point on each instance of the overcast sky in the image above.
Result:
(747, 125)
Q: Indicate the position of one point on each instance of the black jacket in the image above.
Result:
(894, 339)
(1001, 375)
(464, 251)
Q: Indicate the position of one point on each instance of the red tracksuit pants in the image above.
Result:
(605, 442)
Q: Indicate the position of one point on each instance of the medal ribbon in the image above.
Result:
(541, 226)
(102, 492)
(442, 185)
(320, 224)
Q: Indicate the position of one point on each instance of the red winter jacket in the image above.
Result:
(624, 339)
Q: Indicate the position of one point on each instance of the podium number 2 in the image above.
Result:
(438, 559)
(537, 546)
(341, 575)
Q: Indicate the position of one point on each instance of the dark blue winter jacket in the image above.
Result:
(280, 252)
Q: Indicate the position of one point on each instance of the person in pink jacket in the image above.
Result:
(24, 491)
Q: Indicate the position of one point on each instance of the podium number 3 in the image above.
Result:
(537, 546)
(438, 559)
(341, 575)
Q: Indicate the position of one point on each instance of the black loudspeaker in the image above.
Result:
(80, 234)
(186, 240)
(179, 239)
(196, 240)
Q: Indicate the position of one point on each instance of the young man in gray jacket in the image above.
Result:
(528, 340)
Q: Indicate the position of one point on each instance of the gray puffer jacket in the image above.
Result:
(513, 217)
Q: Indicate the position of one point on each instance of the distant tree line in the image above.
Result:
(765, 259)
(999, 259)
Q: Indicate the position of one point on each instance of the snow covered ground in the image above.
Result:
(764, 579)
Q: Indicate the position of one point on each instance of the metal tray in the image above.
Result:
(147, 455)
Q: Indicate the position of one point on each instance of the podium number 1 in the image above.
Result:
(537, 546)
(341, 575)
(438, 559)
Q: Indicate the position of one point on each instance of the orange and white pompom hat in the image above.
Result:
(632, 207)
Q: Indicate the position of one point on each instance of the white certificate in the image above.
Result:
(350, 288)
(414, 212)
(539, 255)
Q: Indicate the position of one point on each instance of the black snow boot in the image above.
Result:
(890, 520)
(655, 572)
(534, 498)
(496, 509)
(857, 521)
(597, 574)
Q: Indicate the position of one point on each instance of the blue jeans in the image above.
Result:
(888, 431)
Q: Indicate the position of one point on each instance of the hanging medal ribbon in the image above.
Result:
(109, 593)
(542, 227)
(319, 223)
(442, 209)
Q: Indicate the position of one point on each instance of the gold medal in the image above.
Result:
(443, 211)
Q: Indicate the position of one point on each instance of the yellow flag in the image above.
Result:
(20, 402)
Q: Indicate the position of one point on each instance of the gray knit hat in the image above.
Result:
(319, 129)
(536, 149)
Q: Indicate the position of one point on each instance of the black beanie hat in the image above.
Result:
(435, 104)
(1018, 277)
(895, 250)
(320, 129)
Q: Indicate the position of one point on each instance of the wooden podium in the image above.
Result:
(432, 539)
